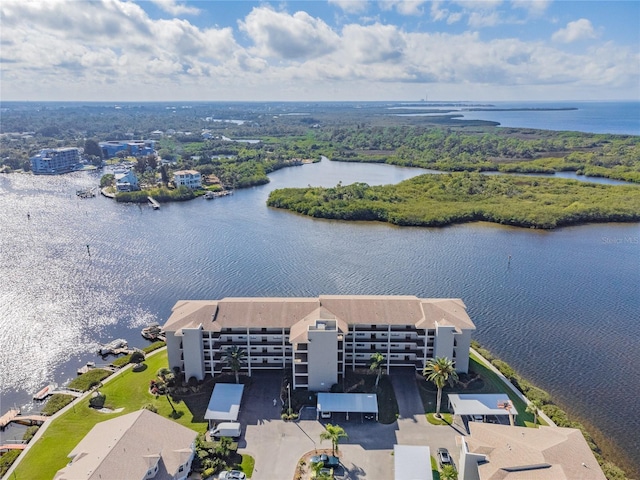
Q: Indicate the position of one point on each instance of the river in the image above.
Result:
(564, 312)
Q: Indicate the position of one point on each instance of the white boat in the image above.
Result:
(112, 346)
(152, 332)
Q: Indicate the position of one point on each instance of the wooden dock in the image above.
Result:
(12, 446)
(8, 417)
(13, 416)
(155, 205)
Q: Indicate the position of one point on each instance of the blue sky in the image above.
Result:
(117, 50)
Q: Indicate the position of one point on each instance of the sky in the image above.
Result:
(319, 50)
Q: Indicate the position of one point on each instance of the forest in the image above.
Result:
(437, 200)
(241, 143)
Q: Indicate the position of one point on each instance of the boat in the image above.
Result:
(153, 332)
(112, 346)
(209, 196)
(45, 392)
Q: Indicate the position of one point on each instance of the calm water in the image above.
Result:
(565, 312)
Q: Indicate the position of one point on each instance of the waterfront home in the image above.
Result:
(51, 161)
(139, 445)
(126, 181)
(547, 453)
(187, 178)
(320, 338)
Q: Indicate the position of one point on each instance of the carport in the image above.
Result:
(481, 404)
(412, 462)
(224, 404)
(347, 403)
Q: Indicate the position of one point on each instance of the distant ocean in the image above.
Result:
(593, 117)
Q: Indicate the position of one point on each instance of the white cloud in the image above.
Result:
(173, 8)
(535, 8)
(484, 19)
(574, 31)
(281, 35)
(404, 7)
(351, 6)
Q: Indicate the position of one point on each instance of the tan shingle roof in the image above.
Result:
(128, 446)
(520, 453)
(286, 312)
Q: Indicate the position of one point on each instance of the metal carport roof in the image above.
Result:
(348, 403)
(412, 462)
(224, 404)
(481, 404)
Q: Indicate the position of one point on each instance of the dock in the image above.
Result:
(44, 393)
(13, 416)
(155, 205)
(12, 446)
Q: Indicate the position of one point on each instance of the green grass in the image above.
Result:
(447, 419)
(247, 465)
(87, 380)
(130, 391)
(435, 471)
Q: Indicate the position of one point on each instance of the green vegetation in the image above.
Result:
(88, 380)
(56, 402)
(443, 419)
(333, 433)
(129, 391)
(434, 469)
(30, 432)
(436, 200)
(7, 460)
(364, 382)
(159, 194)
(376, 364)
(234, 357)
(441, 372)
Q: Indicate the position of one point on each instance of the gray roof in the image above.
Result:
(128, 446)
(224, 404)
(347, 402)
(412, 462)
(215, 315)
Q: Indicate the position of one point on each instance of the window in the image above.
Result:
(181, 469)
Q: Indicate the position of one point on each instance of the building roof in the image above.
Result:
(224, 404)
(481, 404)
(285, 312)
(128, 446)
(520, 453)
(186, 172)
(412, 462)
(347, 402)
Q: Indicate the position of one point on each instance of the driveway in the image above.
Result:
(277, 446)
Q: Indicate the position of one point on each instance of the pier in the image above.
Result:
(155, 205)
(12, 446)
(13, 416)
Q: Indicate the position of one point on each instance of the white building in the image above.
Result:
(138, 446)
(126, 181)
(319, 337)
(187, 178)
(55, 160)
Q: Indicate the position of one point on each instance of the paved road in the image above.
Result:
(277, 446)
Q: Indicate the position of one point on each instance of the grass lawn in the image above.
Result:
(492, 384)
(129, 391)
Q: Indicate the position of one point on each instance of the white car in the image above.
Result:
(232, 475)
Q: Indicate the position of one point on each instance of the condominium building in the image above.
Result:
(319, 338)
(187, 178)
(132, 147)
(55, 160)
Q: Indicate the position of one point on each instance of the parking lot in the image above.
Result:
(277, 446)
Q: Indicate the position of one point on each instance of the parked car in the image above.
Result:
(325, 414)
(232, 475)
(443, 457)
(476, 418)
(327, 460)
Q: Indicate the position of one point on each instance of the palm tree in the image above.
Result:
(377, 360)
(234, 357)
(448, 472)
(333, 433)
(440, 371)
(534, 408)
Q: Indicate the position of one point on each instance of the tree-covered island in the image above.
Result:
(437, 200)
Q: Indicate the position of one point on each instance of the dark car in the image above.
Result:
(327, 460)
(443, 457)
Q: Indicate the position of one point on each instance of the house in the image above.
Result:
(518, 453)
(126, 181)
(131, 147)
(320, 338)
(187, 178)
(51, 161)
(140, 445)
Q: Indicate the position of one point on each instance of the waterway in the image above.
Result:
(76, 273)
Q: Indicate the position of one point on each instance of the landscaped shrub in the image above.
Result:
(88, 380)
(7, 460)
(137, 357)
(98, 400)
(56, 402)
(153, 346)
(121, 361)
(151, 407)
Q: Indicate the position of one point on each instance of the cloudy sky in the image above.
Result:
(117, 50)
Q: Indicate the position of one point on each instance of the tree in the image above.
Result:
(91, 148)
(440, 371)
(448, 472)
(333, 433)
(376, 363)
(534, 407)
(234, 357)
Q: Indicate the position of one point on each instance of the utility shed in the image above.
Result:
(224, 404)
(412, 462)
(348, 403)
